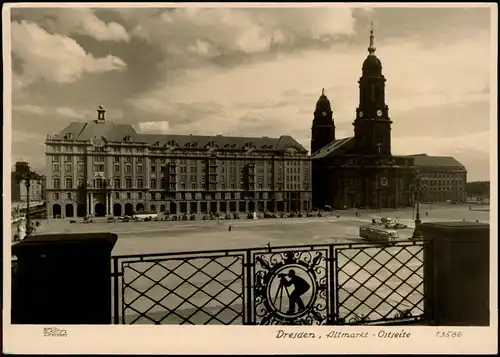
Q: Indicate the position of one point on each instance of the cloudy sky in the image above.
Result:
(253, 72)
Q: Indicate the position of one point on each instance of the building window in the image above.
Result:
(116, 182)
(153, 208)
(172, 186)
(56, 196)
(67, 158)
(55, 166)
(183, 185)
(117, 167)
(129, 196)
(116, 159)
(128, 168)
(68, 196)
(99, 168)
(99, 183)
(69, 182)
(81, 182)
(55, 158)
(56, 182)
(128, 182)
(80, 158)
(202, 185)
(152, 196)
(153, 168)
(67, 166)
(139, 195)
(193, 185)
(153, 183)
(139, 168)
(139, 160)
(117, 195)
(140, 183)
(162, 183)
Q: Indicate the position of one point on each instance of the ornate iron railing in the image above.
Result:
(332, 284)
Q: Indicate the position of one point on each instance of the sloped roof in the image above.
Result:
(334, 146)
(436, 161)
(117, 132)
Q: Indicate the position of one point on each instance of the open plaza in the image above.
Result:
(173, 236)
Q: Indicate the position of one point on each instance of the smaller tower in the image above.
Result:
(101, 117)
(323, 127)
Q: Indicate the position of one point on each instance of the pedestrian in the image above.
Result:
(426, 213)
(229, 228)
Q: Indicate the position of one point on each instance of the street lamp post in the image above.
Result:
(417, 234)
(27, 176)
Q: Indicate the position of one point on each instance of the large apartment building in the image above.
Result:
(101, 168)
(443, 178)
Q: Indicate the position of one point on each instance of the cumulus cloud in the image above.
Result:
(45, 111)
(71, 21)
(212, 31)
(153, 127)
(29, 109)
(55, 58)
(70, 113)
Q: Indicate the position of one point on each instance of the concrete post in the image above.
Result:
(457, 273)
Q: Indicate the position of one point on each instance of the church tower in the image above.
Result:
(323, 127)
(372, 126)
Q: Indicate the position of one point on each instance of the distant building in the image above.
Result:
(443, 176)
(360, 171)
(102, 168)
(19, 191)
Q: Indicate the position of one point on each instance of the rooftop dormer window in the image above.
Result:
(156, 144)
(68, 136)
(127, 138)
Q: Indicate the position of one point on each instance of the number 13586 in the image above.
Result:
(449, 334)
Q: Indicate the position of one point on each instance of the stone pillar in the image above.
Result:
(275, 206)
(188, 207)
(111, 203)
(106, 200)
(218, 206)
(246, 206)
(80, 292)
(237, 206)
(285, 206)
(198, 207)
(457, 273)
(92, 203)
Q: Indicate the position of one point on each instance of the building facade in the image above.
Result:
(443, 178)
(19, 190)
(101, 168)
(360, 171)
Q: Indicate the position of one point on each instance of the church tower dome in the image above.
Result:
(372, 67)
(323, 104)
(323, 127)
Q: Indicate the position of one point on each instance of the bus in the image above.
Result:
(380, 234)
(145, 215)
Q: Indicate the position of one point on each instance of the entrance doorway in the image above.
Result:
(56, 211)
(81, 210)
(129, 209)
(100, 210)
(68, 211)
(117, 210)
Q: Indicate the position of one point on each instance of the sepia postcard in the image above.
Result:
(250, 178)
